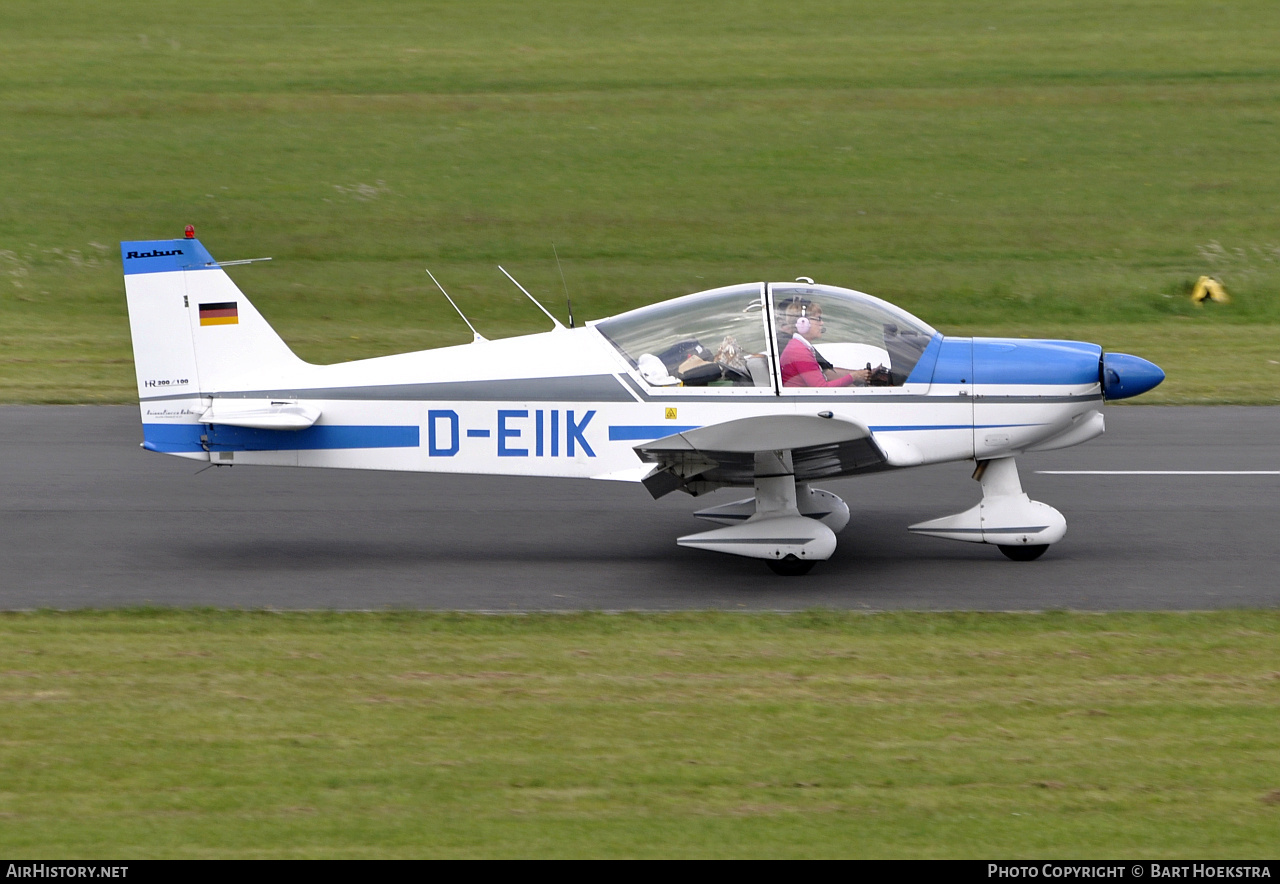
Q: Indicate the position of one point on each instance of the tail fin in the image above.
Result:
(194, 335)
(193, 331)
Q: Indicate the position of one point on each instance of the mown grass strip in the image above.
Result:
(216, 733)
(993, 169)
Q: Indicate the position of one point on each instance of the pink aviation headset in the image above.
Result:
(803, 324)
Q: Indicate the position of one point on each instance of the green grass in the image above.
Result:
(1026, 168)
(225, 734)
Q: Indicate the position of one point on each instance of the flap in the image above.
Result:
(727, 453)
(771, 432)
(261, 414)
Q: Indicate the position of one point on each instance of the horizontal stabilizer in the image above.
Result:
(260, 414)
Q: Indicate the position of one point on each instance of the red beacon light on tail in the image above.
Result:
(190, 232)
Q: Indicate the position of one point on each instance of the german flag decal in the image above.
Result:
(219, 314)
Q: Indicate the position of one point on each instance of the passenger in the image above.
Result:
(802, 365)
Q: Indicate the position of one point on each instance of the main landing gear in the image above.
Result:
(790, 526)
(793, 527)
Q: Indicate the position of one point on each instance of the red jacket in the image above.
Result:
(800, 368)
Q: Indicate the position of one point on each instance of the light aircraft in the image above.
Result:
(723, 388)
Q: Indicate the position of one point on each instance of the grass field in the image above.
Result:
(200, 734)
(1015, 168)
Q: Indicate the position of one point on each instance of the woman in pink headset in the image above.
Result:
(801, 362)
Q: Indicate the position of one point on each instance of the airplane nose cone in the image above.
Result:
(1124, 375)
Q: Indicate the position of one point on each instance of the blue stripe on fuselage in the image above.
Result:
(173, 438)
(636, 434)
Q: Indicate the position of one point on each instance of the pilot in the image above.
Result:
(802, 365)
(785, 323)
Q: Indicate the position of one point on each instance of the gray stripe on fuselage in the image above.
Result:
(585, 388)
(742, 517)
(789, 540)
(1029, 529)
(631, 382)
(878, 398)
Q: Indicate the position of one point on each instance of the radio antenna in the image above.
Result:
(234, 263)
(478, 338)
(563, 283)
(558, 323)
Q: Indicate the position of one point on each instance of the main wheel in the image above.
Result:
(1023, 553)
(791, 566)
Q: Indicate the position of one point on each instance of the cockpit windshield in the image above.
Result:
(821, 337)
(711, 339)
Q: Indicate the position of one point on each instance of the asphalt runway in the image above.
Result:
(88, 519)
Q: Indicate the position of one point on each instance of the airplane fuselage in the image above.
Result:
(577, 410)
(764, 385)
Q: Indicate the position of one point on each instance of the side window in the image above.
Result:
(830, 337)
(711, 339)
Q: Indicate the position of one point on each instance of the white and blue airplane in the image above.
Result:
(769, 386)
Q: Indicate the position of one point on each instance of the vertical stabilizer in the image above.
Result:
(194, 334)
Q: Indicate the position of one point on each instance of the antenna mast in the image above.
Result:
(478, 338)
(558, 323)
(563, 283)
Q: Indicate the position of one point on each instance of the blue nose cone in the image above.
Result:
(1124, 375)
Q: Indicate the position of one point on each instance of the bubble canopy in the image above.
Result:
(727, 337)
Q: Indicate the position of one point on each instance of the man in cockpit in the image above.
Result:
(802, 365)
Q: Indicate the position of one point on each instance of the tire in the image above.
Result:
(791, 566)
(1023, 553)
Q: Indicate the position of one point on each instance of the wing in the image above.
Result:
(727, 453)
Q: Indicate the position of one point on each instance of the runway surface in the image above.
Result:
(88, 519)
